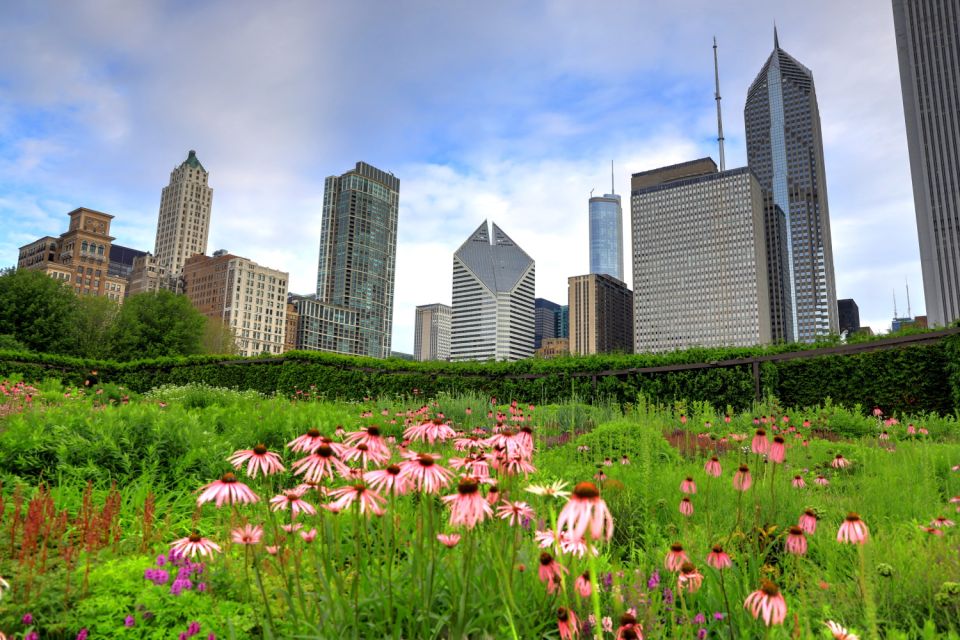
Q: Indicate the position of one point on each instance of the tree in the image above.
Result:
(37, 311)
(219, 338)
(151, 325)
(92, 326)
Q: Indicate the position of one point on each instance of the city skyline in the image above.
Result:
(484, 121)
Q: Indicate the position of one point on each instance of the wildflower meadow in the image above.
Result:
(198, 512)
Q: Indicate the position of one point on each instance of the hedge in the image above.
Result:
(907, 378)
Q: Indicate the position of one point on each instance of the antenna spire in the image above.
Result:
(776, 40)
(894, 304)
(716, 77)
(612, 190)
(909, 313)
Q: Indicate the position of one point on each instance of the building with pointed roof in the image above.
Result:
(493, 298)
(785, 152)
(183, 225)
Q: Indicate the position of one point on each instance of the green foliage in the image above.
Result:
(156, 324)
(90, 330)
(36, 311)
(10, 343)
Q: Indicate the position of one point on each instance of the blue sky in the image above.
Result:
(501, 110)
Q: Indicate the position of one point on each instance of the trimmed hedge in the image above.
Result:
(911, 379)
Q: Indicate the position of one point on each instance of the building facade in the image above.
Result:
(848, 315)
(358, 251)
(562, 326)
(80, 257)
(554, 348)
(606, 235)
(545, 321)
(247, 297)
(147, 275)
(928, 39)
(493, 294)
(183, 223)
(601, 315)
(290, 333)
(699, 259)
(785, 152)
(431, 337)
(322, 326)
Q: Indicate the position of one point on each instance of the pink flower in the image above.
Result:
(366, 499)
(683, 419)
(258, 459)
(713, 467)
(742, 479)
(676, 557)
(467, 506)
(767, 601)
(227, 490)
(365, 454)
(371, 437)
(582, 585)
(388, 480)
(689, 579)
(688, 486)
(515, 512)
(796, 541)
(309, 536)
(448, 540)
(808, 521)
(853, 530)
(293, 499)
(567, 624)
(423, 473)
(686, 507)
(307, 442)
(759, 445)
(798, 482)
(586, 510)
(718, 558)
(195, 544)
(839, 632)
(550, 572)
(323, 462)
(430, 431)
(839, 462)
(941, 523)
(821, 480)
(777, 449)
(629, 628)
(247, 534)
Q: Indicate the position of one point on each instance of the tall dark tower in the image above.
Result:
(928, 41)
(785, 151)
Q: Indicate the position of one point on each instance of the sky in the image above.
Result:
(506, 111)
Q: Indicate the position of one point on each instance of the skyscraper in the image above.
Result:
(493, 289)
(699, 259)
(928, 41)
(358, 251)
(545, 321)
(431, 336)
(184, 221)
(785, 152)
(601, 314)
(606, 233)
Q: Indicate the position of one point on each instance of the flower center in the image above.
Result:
(425, 460)
(194, 537)
(743, 469)
(626, 619)
(228, 478)
(393, 470)
(324, 451)
(373, 431)
(717, 549)
(362, 447)
(811, 513)
(852, 517)
(260, 449)
(467, 487)
(689, 479)
(676, 547)
(687, 567)
(586, 491)
(761, 433)
(769, 588)
(714, 459)
(562, 614)
(313, 433)
(545, 559)
(778, 439)
(796, 531)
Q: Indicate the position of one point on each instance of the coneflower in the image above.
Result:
(853, 530)
(941, 523)
(798, 482)
(322, 462)
(688, 486)
(689, 579)
(713, 467)
(567, 624)
(760, 445)
(550, 572)
(839, 462)
(718, 558)
(423, 472)
(629, 628)
(686, 507)
(292, 499)
(227, 490)
(796, 541)
(195, 544)
(307, 442)
(309, 536)
(767, 602)
(367, 499)
(258, 459)
(582, 585)
(675, 557)
(436, 430)
(448, 540)
(247, 534)
(777, 450)
(586, 510)
(839, 632)
(742, 479)
(515, 512)
(821, 480)
(808, 521)
(388, 480)
(467, 506)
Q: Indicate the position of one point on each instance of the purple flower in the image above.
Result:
(83, 634)
(699, 619)
(607, 580)
(33, 635)
(27, 618)
(194, 628)
(161, 560)
(212, 636)
(129, 621)
(718, 616)
(183, 636)
(667, 596)
(201, 586)
(654, 580)
(701, 633)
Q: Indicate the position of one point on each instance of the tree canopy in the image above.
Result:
(151, 325)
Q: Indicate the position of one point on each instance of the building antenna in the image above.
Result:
(894, 304)
(716, 77)
(591, 192)
(612, 190)
(909, 313)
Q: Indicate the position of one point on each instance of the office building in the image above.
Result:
(184, 220)
(785, 152)
(80, 257)
(245, 296)
(122, 260)
(928, 41)
(148, 276)
(431, 336)
(493, 293)
(699, 259)
(290, 332)
(322, 326)
(606, 233)
(545, 321)
(553, 348)
(562, 326)
(358, 251)
(601, 315)
(848, 316)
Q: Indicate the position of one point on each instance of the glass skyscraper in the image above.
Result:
(606, 236)
(928, 42)
(358, 252)
(785, 152)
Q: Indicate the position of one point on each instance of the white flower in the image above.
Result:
(555, 490)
